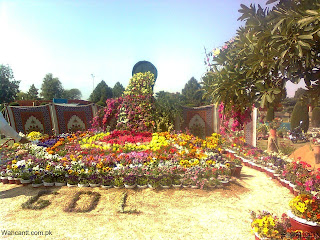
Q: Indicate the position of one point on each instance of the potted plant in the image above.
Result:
(83, 182)
(36, 180)
(129, 181)
(142, 181)
(165, 182)
(304, 213)
(107, 181)
(25, 177)
(94, 180)
(267, 226)
(153, 182)
(72, 180)
(48, 180)
(4, 177)
(60, 180)
(176, 182)
(118, 182)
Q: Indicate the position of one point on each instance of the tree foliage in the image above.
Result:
(168, 108)
(51, 87)
(315, 118)
(273, 47)
(192, 93)
(72, 94)
(102, 92)
(33, 93)
(8, 86)
(117, 90)
(300, 113)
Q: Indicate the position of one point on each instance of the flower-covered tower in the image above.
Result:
(137, 108)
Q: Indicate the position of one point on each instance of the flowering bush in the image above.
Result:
(233, 120)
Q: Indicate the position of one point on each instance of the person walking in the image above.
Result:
(8, 131)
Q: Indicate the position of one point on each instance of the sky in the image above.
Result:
(77, 39)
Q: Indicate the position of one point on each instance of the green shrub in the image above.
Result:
(300, 113)
(101, 103)
(270, 114)
(315, 119)
(14, 104)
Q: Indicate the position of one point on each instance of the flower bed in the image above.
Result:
(120, 156)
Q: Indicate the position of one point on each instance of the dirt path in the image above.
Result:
(165, 214)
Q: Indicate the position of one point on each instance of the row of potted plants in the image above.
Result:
(302, 221)
(92, 158)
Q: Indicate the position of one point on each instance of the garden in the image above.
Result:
(131, 176)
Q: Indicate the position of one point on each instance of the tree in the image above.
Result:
(299, 93)
(168, 108)
(8, 86)
(101, 93)
(33, 93)
(22, 96)
(73, 93)
(117, 90)
(192, 93)
(51, 87)
(315, 118)
(300, 113)
(273, 47)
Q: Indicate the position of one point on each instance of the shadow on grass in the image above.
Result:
(20, 190)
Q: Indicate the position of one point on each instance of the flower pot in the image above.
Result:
(237, 171)
(118, 186)
(106, 186)
(176, 186)
(298, 223)
(152, 187)
(11, 180)
(71, 185)
(4, 180)
(17, 180)
(291, 187)
(316, 152)
(83, 185)
(59, 184)
(36, 185)
(130, 186)
(194, 186)
(48, 184)
(142, 186)
(25, 182)
(165, 187)
(94, 184)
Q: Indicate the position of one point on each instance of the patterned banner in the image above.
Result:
(28, 119)
(201, 121)
(72, 118)
(51, 118)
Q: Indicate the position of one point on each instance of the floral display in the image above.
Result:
(306, 206)
(134, 110)
(121, 157)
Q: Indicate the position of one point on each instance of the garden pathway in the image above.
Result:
(222, 214)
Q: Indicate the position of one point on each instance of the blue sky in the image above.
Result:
(73, 39)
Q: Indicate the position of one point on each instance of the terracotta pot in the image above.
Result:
(273, 133)
(303, 225)
(237, 171)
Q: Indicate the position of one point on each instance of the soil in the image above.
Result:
(305, 154)
(222, 214)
